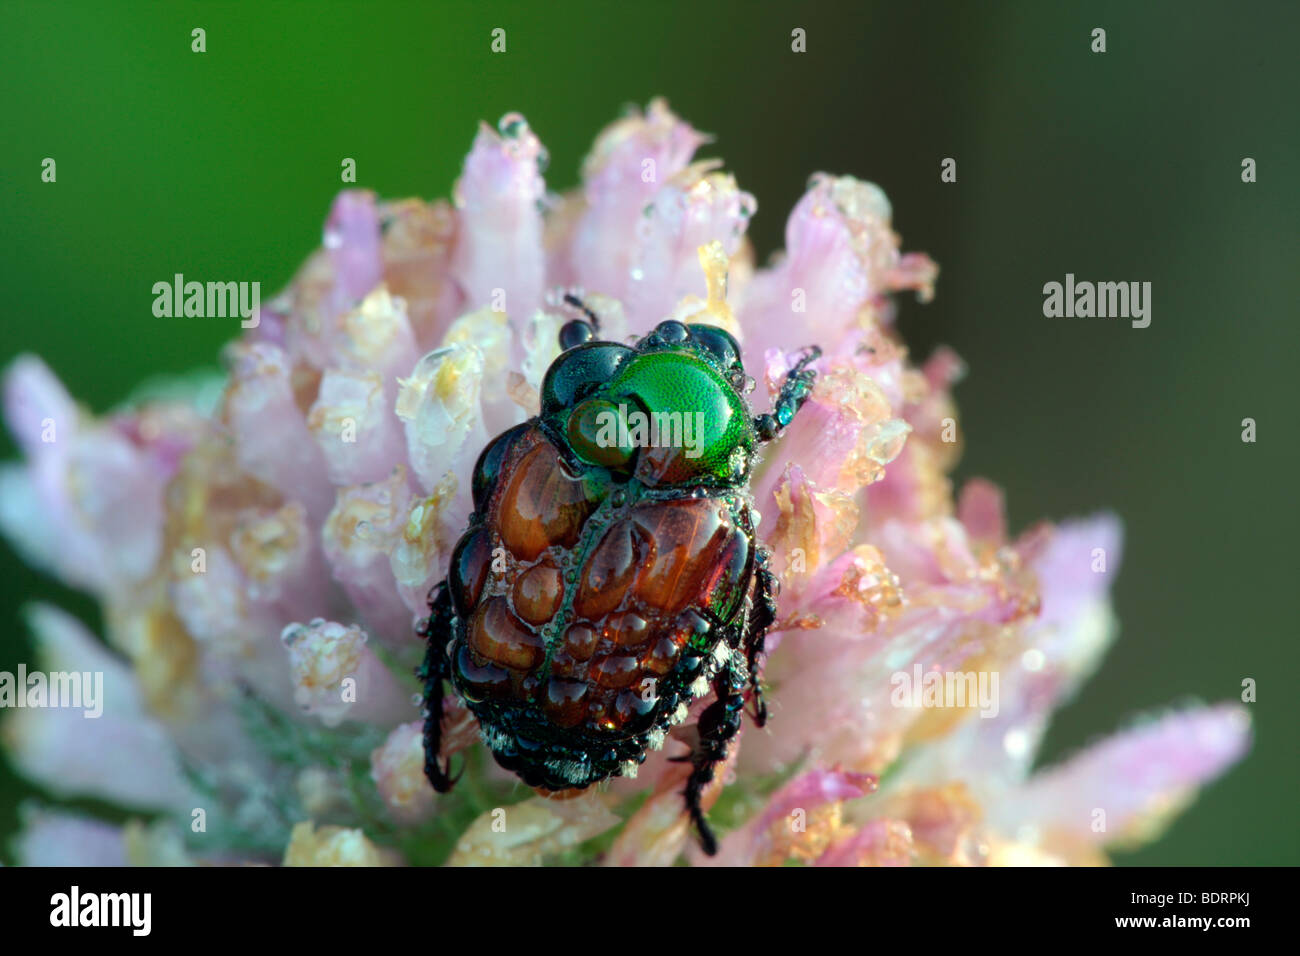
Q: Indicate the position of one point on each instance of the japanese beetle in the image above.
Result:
(609, 575)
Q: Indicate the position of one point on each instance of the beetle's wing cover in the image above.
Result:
(579, 614)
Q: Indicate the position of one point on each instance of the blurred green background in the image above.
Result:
(1124, 165)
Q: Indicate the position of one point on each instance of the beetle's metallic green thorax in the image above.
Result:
(668, 411)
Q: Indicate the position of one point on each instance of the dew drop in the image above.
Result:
(884, 446)
(512, 125)
(1016, 743)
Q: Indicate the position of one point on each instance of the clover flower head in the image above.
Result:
(264, 547)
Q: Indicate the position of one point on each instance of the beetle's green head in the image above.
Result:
(669, 410)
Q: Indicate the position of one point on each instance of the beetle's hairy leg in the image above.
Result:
(718, 726)
(761, 618)
(794, 392)
(435, 669)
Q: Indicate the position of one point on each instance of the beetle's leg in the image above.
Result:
(577, 331)
(719, 724)
(761, 618)
(435, 669)
(795, 390)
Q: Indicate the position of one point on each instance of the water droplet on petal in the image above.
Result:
(1016, 743)
(884, 446)
(512, 125)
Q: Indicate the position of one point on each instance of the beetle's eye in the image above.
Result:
(575, 333)
(598, 433)
(719, 342)
(672, 332)
(576, 372)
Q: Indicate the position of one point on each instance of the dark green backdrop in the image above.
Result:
(1117, 166)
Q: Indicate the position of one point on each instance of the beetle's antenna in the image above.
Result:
(577, 303)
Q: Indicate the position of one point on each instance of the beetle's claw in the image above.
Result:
(456, 779)
(440, 775)
(708, 841)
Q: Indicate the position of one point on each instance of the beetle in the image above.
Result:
(608, 577)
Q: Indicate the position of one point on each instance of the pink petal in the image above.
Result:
(1079, 566)
(352, 239)
(271, 435)
(440, 406)
(377, 337)
(397, 768)
(88, 504)
(876, 843)
(1137, 778)
(358, 537)
(353, 423)
(843, 438)
(54, 838)
(337, 677)
(694, 208)
(841, 254)
(787, 810)
(122, 756)
(498, 200)
(35, 400)
(982, 509)
(631, 159)
(418, 244)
